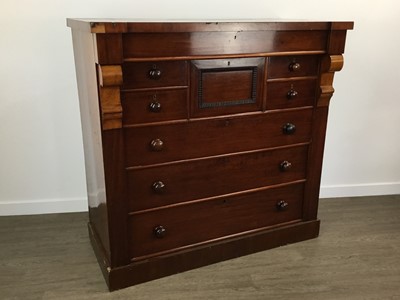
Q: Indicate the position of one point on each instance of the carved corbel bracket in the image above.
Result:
(110, 81)
(329, 65)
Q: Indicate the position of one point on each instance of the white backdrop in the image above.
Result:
(41, 156)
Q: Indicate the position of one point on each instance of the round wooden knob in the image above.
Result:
(292, 94)
(285, 165)
(289, 128)
(158, 187)
(157, 145)
(155, 73)
(155, 107)
(160, 232)
(294, 66)
(282, 205)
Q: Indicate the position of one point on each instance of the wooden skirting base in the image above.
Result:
(177, 262)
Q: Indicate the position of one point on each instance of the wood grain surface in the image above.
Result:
(262, 87)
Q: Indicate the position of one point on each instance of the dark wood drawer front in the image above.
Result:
(293, 66)
(154, 106)
(155, 74)
(165, 185)
(143, 45)
(164, 143)
(292, 93)
(226, 86)
(204, 221)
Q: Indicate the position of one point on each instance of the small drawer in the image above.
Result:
(292, 66)
(200, 138)
(226, 86)
(171, 228)
(174, 183)
(291, 93)
(154, 106)
(154, 74)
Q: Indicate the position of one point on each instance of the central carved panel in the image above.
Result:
(226, 87)
(222, 86)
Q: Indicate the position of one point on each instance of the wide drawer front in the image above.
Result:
(149, 45)
(154, 105)
(173, 228)
(192, 139)
(291, 93)
(154, 74)
(173, 183)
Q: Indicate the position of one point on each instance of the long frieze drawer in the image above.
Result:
(191, 139)
(143, 45)
(291, 93)
(168, 184)
(154, 74)
(184, 225)
(154, 105)
(293, 66)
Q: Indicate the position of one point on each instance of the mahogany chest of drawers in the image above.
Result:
(203, 141)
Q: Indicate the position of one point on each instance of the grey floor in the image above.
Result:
(357, 256)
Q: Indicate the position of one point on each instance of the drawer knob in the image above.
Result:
(155, 107)
(157, 145)
(155, 73)
(158, 187)
(160, 232)
(292, 94)
(282, 205)
(294, 66)
(289, 128)
(285, 165)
